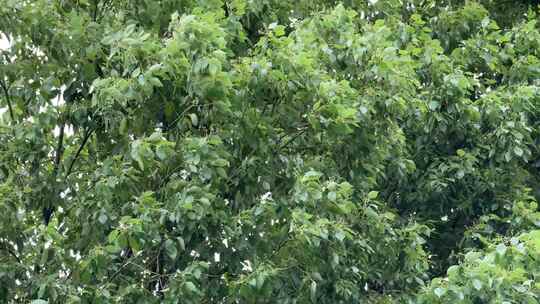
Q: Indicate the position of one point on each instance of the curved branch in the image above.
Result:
(12, 253)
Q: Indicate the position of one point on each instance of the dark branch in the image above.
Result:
(293, 138)
(95, 13)
(12, 253)
(59, 149)
(48, 210)
(8, 100)
(81, 147)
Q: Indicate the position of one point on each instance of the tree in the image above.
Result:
(178, 151)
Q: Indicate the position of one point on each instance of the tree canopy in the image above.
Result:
(269, 151)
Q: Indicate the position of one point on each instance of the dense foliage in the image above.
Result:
(269, 151)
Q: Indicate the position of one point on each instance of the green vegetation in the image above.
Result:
(269, 151)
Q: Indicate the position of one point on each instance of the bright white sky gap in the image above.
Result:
(4, 43)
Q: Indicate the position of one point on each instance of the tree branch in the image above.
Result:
(59, 149)
(8, 100)
(48, 210)
(128, 261)
(293, 138)
(12, 253)
(95, 13)
(81, 147)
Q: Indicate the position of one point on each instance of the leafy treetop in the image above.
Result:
(179, 151)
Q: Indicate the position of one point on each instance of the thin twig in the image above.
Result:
(302, 131)
(119, 270)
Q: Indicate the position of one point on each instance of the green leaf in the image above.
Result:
(340, 236)
(136, 153)
(191, 287)
(434, 105)
(373, 194)
(220, 162)
(313, 291)
(170, 248)
(194, 119)
(181, 243)
(507, 156)
(332, 196)
(102, 218)
(255, 131)
(501, 249)
(439, 291)
(42, 289)
(279, 30)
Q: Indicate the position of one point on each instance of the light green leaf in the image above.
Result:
(439, 291)
(373, 194)
(434, 105)
(332, 196)
(171, 249)
(194, 119)
(501, 249)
